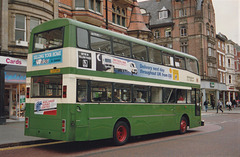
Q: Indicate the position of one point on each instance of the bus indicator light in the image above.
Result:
(28, 92)
(64, 91)
(26, 122)
(63, 125)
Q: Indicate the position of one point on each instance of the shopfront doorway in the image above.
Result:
(14, 101)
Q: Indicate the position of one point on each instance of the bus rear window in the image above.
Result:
(47, 86)
(48, 40)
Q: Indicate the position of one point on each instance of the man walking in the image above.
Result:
(206, 105)
(219, 106)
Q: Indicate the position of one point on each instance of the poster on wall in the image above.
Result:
(45, 107)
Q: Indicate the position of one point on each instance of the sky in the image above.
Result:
(227, 16)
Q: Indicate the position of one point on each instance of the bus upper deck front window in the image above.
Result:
(48, 40)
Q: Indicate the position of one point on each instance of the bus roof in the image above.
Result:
(60, 22)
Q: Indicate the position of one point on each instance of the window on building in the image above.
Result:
(98, 6)
(224, 79)
(163, 13)
(157, 34)
(220, 60)
(229, 63)
(119, 15)
(184, 47)
(212, 31)
(182, 12)
(212, 72)
(223, 60)
(220, 77)
(211, 51)
(168, 32)
(79, 4)
(90, 4)
(208, 29)
(183, 31)
(219, 45)
(20, 27)
(230, 79)
(34, 22)
(223, 46)
(169, 45)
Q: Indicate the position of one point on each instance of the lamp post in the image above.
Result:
(2, 91)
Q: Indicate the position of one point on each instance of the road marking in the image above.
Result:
(33, 145)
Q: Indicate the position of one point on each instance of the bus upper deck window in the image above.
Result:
(82, 38)
(48, 40)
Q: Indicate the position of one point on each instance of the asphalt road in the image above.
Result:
(219, 137)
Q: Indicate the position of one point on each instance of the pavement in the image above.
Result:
(12, 134)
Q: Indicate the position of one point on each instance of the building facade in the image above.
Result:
(189, 26)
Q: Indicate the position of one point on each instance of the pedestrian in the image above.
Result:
(219, 106)
(213, 104)
(229, 104)
(206, 105)
(234, 103)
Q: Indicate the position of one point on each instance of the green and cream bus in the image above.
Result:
(87, 83)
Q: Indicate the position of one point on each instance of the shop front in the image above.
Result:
(15, 87)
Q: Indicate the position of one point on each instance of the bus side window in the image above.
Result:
(139, 52)
(169, 95)
(121, 48)
(101, 91)
(140, 94)
(82, 38)
(122, 93)
(189, 96)
(180, 62)
(156, 95)
(81, 91)
(167, 59)
(181, 96)
(155, 56)
(100, 42)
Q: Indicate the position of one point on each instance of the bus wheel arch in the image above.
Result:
(121, 132)
(184, 122)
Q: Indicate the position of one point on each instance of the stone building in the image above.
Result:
(17, 19)
(188, 26)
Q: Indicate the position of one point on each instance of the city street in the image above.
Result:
(219, 137)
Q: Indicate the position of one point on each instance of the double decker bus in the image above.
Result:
(87, 83)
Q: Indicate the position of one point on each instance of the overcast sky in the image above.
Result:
(227, 15)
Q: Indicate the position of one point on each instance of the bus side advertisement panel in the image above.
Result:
(113, 64)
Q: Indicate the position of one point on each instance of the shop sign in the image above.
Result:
(52, 71)
(15, 77)
(12, 61)
(212, 85)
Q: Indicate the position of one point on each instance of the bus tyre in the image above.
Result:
(183, 125)
(120, 133)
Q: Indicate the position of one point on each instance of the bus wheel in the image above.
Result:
(120, 133)
(183, 125)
